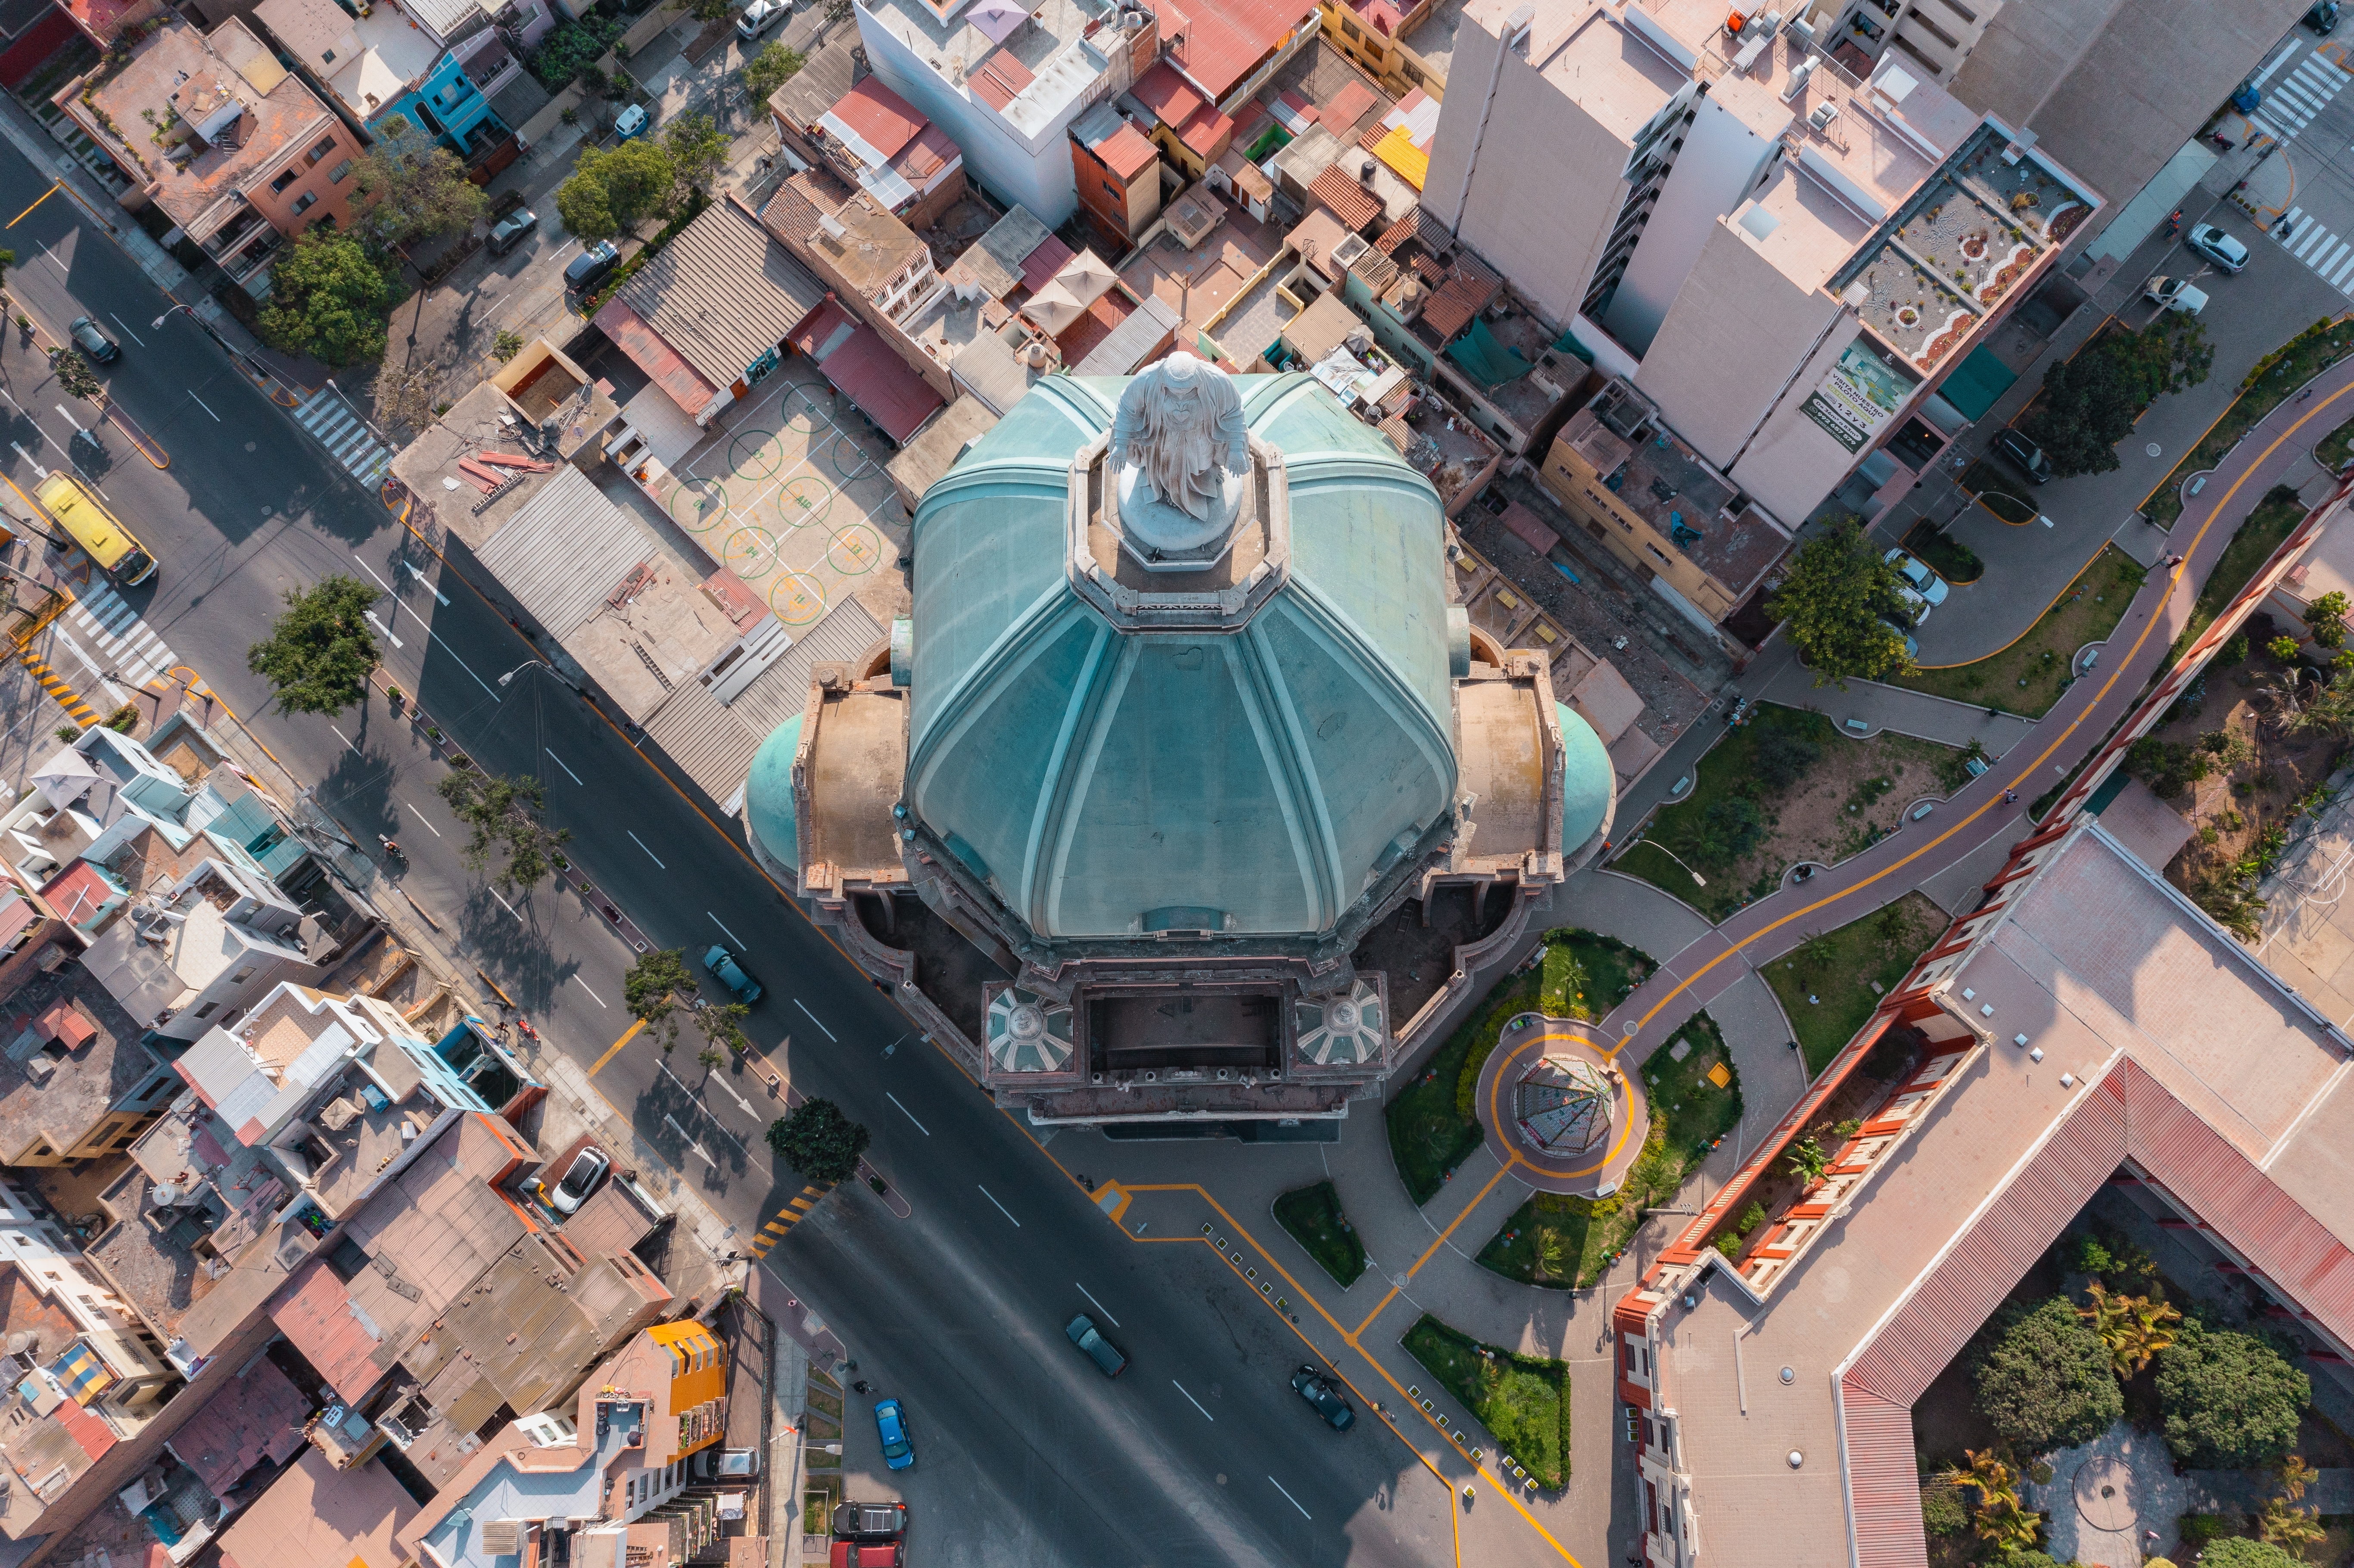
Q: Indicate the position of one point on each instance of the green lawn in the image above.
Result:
(1728, 774)
(2334, 449)
(1564, 1241)
(1826, 985)
(1948, 556)
(1522, 1400)
(2258, 536)
(1428, 1137)
(1584, 975)
(2028, 676)
(2278, 375)
(1312, 1215)
(2000, 492)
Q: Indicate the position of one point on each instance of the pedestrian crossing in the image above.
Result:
(80, 712)
(786, 1218)
(2291, 102)
(2331, 256)
(128, 645)
(345, 434)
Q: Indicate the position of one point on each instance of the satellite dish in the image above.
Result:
(165, 1194)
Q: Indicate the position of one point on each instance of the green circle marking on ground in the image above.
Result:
(803, 500)
(804, 413)
(754, 452)
(698, 504)
(796, 597)
(856, 548)
(858, 459)
(750, 552)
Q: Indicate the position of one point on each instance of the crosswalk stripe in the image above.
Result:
(2312, 231)
(2344, 270)
(2266, 129)
(2335, 257)
(106, 620)
(346, 438)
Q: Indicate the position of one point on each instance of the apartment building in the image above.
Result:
(1117, 174)
(211, 128)
(76, 1082)
(871, 262)
(1784, 257)
(907, 165)
(435, 63)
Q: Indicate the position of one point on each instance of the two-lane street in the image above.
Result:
(1198, 1454)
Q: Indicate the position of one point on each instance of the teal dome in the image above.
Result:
(769, 796)
(1252, 779)
(1589, 783)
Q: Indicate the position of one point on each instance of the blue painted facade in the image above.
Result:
(444, 103)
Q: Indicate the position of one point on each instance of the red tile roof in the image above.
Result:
(1352, 203)
(1170, 98)
(883, 119)
(1051, 257)
(999, 78)
(1226, 37)
(1125, 152)
(80, 891)
(1207, 133)
(883, 386)
(1348, 106)
(650, 354)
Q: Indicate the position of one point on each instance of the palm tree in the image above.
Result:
(2009, 1527)
(1993, 1480)
(2290, 1528)
(2295, 1476)
(2134, 1327)
(1552, 1252)
(1807, 1162)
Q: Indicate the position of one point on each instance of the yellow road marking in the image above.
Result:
(28, 211)
(612, 1051)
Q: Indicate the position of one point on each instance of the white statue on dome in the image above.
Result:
(1181, 458)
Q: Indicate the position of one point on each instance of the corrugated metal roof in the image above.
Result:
(1349, 202)
(703, 740)
(447, 19)
(782, 689)
(1133, 341)
(650, 354)
(1883, 1484)
(864, 369)
(723, 294)
(566, 550)
(819, 85)
(871, 113)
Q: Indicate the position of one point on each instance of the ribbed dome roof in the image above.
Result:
(1110, 781)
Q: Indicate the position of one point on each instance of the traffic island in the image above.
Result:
(1564, 1241)
(1556, 1109)
(1313, 1218)
(1522, 1400)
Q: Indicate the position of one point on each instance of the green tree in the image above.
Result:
(1728, 829)
(2134, 1327)
(505, 816)
(1807, 1160)
(818, 1141)
(571, 48)
(611, 189)
(320, 650)
(770, 70)
(2239, 1551)
(2089, 403)
(74, 374)
(656, 991)
(407, 391)
(2286, 1526)
(2048, 1382)
(1780, 756)
(2231, 1400)
(1835, 599)
(2327, 616)
(698, 149)
(408, 186)
(8, 258)
(710, 10)
(327, 299)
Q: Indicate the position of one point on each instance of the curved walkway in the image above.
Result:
(1424, 1258)
(1591, 1170)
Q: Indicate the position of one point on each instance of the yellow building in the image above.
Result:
(1371, 32)
(698, 1382)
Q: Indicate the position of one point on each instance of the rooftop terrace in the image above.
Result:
(1053, 59)
(1655, 475)
(73, 1056)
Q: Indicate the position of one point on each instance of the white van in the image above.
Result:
(2175, 294)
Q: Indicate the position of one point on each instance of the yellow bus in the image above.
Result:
(105, 541)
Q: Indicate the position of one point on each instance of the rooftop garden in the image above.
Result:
(2027, 676)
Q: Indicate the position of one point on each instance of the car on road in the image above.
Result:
(729, 973)
(95, 345)
(632, 123)
(587, 269)
(891, 1426)
(588, 1167)
(1323, 1397)
(2247, 98)
(1917, 573)
(2218, 247)
(2323, 17)
(759, 16)
(867, 1554)
(2175, 294)
(2025, 454)
(1081, 1331)
(508, 232)
(870, 1520)
(1912, 643)
(728, 1463)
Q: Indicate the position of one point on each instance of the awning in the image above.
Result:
(1486, 360)
(885, 387)
(1976, 382)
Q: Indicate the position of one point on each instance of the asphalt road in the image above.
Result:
(1198, 1454)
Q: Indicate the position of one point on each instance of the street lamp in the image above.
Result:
(1698, 880)
(508, 678)
(157, 323)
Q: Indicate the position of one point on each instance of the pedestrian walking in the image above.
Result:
(860, 1386)
(2174, 560)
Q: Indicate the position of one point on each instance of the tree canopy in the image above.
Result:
(770, 70)
(320, 650)
(408, 186)
(571, 48)
(1835, 599)
(656, 990)
(505, 816)
(2047, 1383)
(2239, 1551)
(612, 188)
(327, 299)
(698, 149)
(2089, 403)
(2231, 1400)
(818, 1141)
(74, 374)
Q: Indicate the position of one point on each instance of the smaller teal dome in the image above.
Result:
(768, 795)
(1588, 783)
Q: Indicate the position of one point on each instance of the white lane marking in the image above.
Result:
(592, 995)
(113, 692)
(503, 903)
(908, 1114)
(126, 330)
(420, 817)
(207, 407)
(1288, 1497)
(369, 616)
(21, 452)
(398, 606)
(650, 854)
(1000, 1208)
(706, 1109)
(1099, 1306)
(2277, 61)
(355, 751)
(559, 762)
(810, 1016)
(732, 1095)
(723, 926)
(689, 1142)
(1197, 1404)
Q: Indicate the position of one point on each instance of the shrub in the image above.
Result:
(2047, 1383)
(1941, 1510)
(1729, 829)
(1781, 757)
(2239, 1551)
(2231, 1400)
(1729, 1244)
(1751, 1218)
(570, 49)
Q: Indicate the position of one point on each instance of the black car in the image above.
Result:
(589, 269)
(2025, 454)
(95, 345)
(2323, 17)
(1081, 1331)
(1323, 1397)
(870, 1520)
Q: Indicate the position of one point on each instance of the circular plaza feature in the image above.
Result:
(1562, 1105)
(1557, 1110)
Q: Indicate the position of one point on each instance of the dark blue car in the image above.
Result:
(729, 973)
(891, 1423)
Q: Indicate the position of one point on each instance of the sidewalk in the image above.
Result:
(1878, 707)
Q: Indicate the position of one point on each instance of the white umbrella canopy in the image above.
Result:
(65, 777)
(1087, 276)
(1054, 307)
(998, 18)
